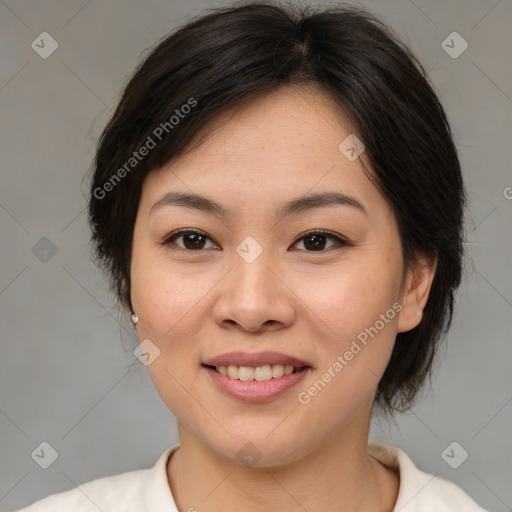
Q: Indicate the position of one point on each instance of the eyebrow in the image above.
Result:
(295, 206)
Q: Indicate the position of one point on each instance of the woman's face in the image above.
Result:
(329, 305)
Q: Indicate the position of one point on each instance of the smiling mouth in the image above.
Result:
(256, 373)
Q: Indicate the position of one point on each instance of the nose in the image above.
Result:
(254, 297)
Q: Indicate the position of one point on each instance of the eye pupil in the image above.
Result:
(196, 240)
(314, 241)
(317, 241)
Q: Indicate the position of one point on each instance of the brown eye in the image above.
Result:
(315, 241)
(192, 240)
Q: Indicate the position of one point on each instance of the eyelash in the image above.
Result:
(177, 234)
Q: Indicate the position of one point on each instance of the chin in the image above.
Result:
(259, 450)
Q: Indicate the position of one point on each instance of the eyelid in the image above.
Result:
(340, 240)
(330, 234)
(176, 234)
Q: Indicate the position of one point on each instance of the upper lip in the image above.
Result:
(255, 359)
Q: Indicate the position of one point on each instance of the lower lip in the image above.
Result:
(253, 390)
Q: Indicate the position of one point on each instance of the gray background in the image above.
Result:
(68, 374)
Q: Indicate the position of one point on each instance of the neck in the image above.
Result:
(338, 475)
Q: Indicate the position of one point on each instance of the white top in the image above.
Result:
(148, 490)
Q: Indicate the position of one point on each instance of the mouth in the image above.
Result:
(258, 377)
(257, 373)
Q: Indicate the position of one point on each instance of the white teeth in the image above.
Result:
(277, 371)
(259, 373)
(233, 372)
(263, 372)
(245, 373)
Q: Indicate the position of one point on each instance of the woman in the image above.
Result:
(278, 203)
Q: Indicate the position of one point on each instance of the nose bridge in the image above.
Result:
(251, 296)
(251, 267)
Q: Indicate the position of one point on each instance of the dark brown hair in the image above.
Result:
(231, 55)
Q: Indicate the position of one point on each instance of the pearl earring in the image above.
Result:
(419, 312)
(135, 319)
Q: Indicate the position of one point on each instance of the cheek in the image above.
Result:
(161, 293)
(167, 300)
(350, 300)
(356, 310)
(357, 321)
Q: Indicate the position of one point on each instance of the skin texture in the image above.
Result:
(303, 302)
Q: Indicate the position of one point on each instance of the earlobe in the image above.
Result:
(415, 294)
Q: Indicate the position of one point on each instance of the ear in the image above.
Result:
(415, 293)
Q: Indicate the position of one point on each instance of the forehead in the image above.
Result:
(288, 118)
(286, 143)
